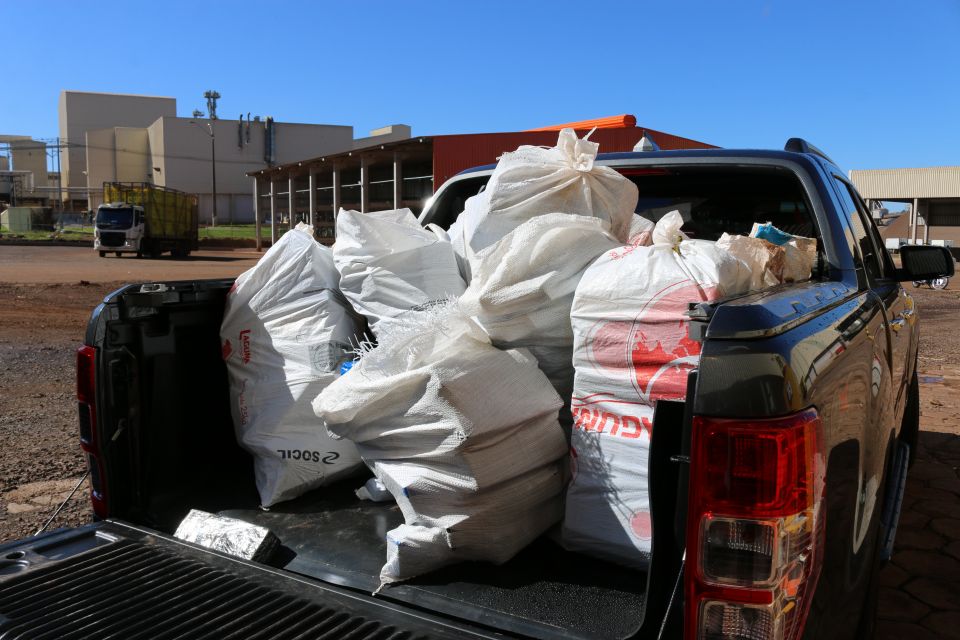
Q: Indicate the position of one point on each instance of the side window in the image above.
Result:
(869, 255)
(886, 262)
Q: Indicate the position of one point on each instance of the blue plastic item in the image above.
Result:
(772, 235)
(346, 366)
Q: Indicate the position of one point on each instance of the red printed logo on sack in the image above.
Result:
(226, 349)
(654, 348)
(245, 346)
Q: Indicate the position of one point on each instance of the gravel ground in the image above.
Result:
(41, 326)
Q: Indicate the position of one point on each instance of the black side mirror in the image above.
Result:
(922, 262)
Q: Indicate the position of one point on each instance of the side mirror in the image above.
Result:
(921, 262)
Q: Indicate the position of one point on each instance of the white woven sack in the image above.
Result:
(631, 349)
(450, 425)
(523, 287)
(389, 264)
(490, 529)
(533, 181)
(285, 332)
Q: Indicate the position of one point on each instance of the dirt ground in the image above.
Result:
(42, 323)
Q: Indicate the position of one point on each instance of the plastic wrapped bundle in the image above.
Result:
(631, 349)
(464, 435)
(390, 265)
(286, 330)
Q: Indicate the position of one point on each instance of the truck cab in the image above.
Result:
(118, 227)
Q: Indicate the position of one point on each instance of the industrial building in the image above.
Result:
(405, 173)
(933, 194)
(114, 137)
(24, 178)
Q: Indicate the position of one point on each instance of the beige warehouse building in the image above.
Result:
(933, 194)
(115, 137)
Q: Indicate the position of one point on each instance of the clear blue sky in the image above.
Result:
(875, 84)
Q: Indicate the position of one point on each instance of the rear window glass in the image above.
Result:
(715, 200)
(712, 200)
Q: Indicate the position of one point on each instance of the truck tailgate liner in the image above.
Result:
(148, 587)
(544, 591)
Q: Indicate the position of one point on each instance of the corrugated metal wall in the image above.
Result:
(452, 154)
(894, 184)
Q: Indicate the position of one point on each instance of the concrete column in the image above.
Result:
(273, 212)
(926, 225)
(335, 175)
(256, 213)
(364, 186)
(397, 181)
(915, 216)
(291, 194)
(312, 186)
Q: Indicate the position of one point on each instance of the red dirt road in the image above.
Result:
(52, 265)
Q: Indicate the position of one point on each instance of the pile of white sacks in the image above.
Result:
(548, 289)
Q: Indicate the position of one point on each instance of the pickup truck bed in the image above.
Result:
(826, 367)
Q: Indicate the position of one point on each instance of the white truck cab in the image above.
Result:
(119, 227)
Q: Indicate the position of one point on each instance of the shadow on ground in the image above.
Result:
(920, 587)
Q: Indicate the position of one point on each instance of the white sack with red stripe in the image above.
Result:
(286, 330)
(631, 349)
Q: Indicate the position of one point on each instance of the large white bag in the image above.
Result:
(286, 330)
(631, 349)
(389, 264)
(534, 181)
(464, 435)
(523, 287)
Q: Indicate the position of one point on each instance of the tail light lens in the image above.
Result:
(87, 409)
(755, 526)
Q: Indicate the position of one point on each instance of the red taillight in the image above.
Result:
(755, 526)
(87, 408)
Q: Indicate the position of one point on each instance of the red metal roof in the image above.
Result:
(454, 153)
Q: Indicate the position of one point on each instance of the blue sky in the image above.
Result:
(875, 84)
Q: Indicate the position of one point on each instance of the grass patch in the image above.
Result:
(228, 231)
(85, 235)
(239, 232)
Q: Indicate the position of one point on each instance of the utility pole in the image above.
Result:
(213, 169)
(213, 166)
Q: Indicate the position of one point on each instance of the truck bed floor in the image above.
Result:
(544, 591)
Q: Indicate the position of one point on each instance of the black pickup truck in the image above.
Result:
(775, 487)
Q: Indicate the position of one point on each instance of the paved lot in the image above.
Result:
(41, 324)
(35, 265)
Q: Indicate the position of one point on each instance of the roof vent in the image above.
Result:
(646, 144)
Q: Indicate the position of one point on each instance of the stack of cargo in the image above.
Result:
(545, 216)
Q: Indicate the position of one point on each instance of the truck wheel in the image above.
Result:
(118, 253)
(103, 254)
